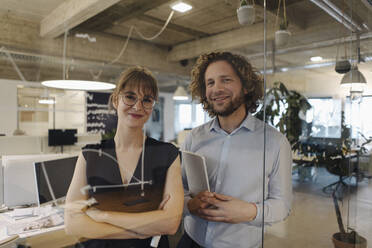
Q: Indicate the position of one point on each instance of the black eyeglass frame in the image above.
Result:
(122, 96)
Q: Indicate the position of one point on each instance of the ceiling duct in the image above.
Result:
(40, 59)
(21, 57)
(367, 3)
(342, 14)
(337, 14)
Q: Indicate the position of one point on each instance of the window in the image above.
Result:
(189, 115)
(36, 118)
(353, 114)
(325, 115)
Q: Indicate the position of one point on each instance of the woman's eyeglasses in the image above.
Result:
(131, 100)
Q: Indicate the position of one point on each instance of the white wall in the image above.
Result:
(8, 106)
(320, 82)
(21, 145)
(70, 111)
(168, 116)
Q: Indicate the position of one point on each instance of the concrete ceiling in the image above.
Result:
(33, 33)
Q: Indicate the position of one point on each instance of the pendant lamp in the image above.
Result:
(354, 79)
(180, 94)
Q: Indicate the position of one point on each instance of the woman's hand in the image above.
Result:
(164, 201)
(96, 214)
(101, 216)
(76, 207)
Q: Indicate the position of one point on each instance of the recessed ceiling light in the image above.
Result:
(316, 58)
(78, 85)
(181, 7)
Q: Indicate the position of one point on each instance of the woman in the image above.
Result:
(133, 101)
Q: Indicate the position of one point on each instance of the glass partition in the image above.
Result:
(301, 161)
(331, 172)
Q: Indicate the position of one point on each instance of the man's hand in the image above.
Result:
(196, 204)
(227, 209)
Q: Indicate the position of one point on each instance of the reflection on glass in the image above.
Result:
(185, 116)
(189, 115)
(326, 116)
(200, 115)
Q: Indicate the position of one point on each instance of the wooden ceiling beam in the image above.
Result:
(171, 26)
(244, 37)
(23, 35)
(294, 18)
(223, 41)
(120, 13)
(70, 14)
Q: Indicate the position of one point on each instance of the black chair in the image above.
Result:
(343, 167)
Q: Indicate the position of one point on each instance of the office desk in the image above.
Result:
(51, 238)
(9, 242)
(54, 237)
(44, 237)
(304, 167)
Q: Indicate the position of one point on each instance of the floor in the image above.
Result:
(313, 220)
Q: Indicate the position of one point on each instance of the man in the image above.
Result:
(233, 144)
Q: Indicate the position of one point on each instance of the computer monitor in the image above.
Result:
(19, 178)
(53, 178)
(61, 137)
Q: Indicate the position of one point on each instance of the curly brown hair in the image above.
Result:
(251, 79)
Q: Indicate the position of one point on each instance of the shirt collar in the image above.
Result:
(248, 123)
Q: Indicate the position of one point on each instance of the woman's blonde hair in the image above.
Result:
(250, 78)
(136, 77)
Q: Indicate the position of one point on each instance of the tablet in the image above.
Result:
(196, 172)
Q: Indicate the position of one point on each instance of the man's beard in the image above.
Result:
(231, 107)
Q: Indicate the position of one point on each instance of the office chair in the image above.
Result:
(343, 167)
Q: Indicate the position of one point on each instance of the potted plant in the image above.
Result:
(282, 35)
(246, 12)
(283, 110)
(342, 66)
(346, 239)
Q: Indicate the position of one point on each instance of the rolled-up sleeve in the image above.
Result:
(277, 205)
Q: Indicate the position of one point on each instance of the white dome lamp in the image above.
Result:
(78, 85)
(180, 94)
(68, 84)
(355, 81)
